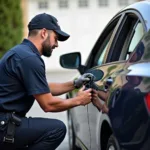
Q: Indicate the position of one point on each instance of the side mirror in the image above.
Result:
(71, 60)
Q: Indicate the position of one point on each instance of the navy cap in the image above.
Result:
(49, 22)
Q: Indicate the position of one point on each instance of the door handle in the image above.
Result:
(107, 83)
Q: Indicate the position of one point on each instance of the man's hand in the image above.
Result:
(85, 78)
(84, 96)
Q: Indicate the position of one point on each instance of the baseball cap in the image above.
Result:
(49, 22)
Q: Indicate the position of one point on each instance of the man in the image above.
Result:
(22, 79)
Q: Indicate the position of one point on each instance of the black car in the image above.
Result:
(120, 61)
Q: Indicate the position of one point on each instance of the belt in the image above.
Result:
(17, 113)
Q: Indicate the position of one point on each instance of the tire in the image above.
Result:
(71, 133)
(112, 143)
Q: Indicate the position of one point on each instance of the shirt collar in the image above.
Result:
(31, 45)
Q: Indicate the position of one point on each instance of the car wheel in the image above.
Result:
(112, 143)
(71, 133)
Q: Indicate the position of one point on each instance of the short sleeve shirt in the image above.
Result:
(22, 75)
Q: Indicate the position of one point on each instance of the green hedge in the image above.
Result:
(11, 24)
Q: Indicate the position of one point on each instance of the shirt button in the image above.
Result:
(2, 122)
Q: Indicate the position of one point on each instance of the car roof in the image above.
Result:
(143, 8)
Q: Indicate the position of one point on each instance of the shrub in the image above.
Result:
(11, 24)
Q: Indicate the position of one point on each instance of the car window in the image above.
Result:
(103, 44)
(129, 35)
(137, 36)
(100, 58)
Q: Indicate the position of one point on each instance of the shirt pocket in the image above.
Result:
(4, 118)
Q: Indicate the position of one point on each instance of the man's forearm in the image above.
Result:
(50, 103)
(58, 104)
(61, 88)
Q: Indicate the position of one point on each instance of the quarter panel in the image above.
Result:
(129, 116)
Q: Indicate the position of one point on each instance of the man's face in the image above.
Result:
(49, 44)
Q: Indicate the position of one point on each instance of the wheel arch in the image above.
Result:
(104, 131)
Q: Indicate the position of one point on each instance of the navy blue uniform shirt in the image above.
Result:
(22, 75)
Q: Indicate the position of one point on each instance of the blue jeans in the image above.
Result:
(37, 134)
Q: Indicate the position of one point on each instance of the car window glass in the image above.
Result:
(103, 44)
(100, 60)
(127, 38)
(101, 57)
(137, 36)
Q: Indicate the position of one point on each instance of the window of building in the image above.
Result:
(63, 3)
(103, 3)
(43, 4)
(123, 2)
(83, 3)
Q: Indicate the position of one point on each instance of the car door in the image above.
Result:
(80, 114)
(97, 58)
(115, 62)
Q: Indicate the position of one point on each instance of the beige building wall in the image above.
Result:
(24, 6)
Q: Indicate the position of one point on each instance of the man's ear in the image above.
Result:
(44, 34)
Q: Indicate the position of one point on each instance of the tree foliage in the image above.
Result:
(11, 24)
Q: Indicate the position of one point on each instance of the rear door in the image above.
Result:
(130, 29)
(132, 126)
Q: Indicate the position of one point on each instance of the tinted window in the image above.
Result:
(103, 44)
(137, 36)
(128, 37)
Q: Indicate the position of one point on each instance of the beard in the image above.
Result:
(47, 48)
